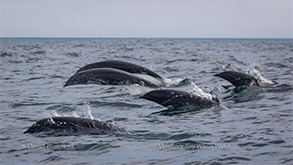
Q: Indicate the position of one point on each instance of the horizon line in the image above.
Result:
(145, 38)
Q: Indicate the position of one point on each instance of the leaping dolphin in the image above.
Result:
(107, 76)
(73, 125)
(241, 79)
(121, 65)
(238, 79)
(178, 99)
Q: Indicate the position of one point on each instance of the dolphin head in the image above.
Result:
(40, 125)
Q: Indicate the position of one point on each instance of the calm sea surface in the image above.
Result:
(246, 128)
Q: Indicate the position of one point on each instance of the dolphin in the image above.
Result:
(238, 79)
(241, 79)
(107, 76)
(73, 125)
(178, 99)
(121, 65)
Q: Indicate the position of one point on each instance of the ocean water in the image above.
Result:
(248, 127)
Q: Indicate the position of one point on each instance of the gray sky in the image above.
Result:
(147, 18)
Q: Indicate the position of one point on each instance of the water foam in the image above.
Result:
(136, 89)
(173, 82)
(195, 90)
(255, 73)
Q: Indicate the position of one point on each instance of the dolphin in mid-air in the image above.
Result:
(107, 76)
(121, 65)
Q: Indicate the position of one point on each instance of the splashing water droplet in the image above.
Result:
(89, 112)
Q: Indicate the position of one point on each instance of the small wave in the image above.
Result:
(94, 146)
(79, 46)
(34, 78)
(61, 107)
(226, 160)
(20, 104)
(4, 54)
(116, 104)
(73, 54)
(187, 135)
(277, 141)
(173, 111)
(15, 61)
(38, 52)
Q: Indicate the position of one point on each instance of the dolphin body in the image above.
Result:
(178, 99)
(121, 65)
(241, 79)
(73, 125)
(107, 76)
(238, 79)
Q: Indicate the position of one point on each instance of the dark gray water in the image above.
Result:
(248, 127)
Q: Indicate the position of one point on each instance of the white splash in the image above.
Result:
(255, 73)
(89, 111)
(55, 114)
(164, 82)
(51, 114)
(195, 90)
(170, 82)
(136, 89)
(74, 114)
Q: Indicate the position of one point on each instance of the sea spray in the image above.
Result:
(89, 112)
(195, 90)
(255, 73)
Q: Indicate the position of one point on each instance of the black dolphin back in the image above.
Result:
(73, 125)
(238, 79)
(121, 65)
(178, 99)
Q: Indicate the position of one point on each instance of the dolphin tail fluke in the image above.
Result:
(237, 78)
